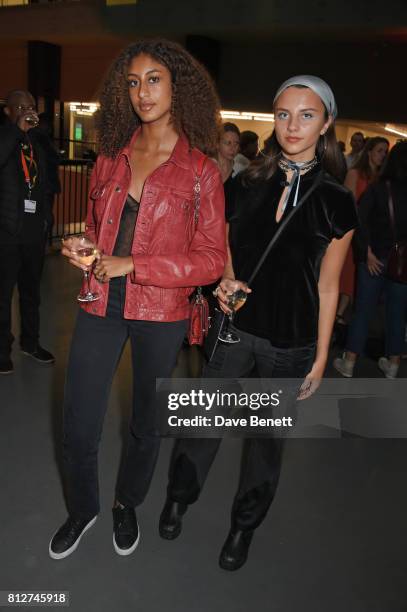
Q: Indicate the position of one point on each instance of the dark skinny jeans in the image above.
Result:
(96, 348)
(261, 457)
(369, 289)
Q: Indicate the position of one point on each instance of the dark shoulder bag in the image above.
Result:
(397, 261)
(218, 321)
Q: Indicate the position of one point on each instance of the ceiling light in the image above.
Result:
(247, 116)
(388, 128)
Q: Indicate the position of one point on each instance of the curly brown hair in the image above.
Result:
(195, 104)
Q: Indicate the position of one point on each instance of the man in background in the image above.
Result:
(357, 142)
(24, 218)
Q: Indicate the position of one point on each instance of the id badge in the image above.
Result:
(30, 206)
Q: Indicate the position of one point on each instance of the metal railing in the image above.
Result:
(76, 149)
(71, 203)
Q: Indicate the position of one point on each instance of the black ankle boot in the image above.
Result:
(171, 519)
(235, 550)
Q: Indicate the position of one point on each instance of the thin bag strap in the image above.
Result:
(391, 212)
(197, 205)
(197, 187)
(282, 226)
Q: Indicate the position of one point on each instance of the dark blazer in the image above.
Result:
(13, 189)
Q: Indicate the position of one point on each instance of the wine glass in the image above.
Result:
(235, 302)
(32, 120)
(86, 252)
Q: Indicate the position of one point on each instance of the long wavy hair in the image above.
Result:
(327, 151)
(363, 163)
(395, 166)
(195, 109)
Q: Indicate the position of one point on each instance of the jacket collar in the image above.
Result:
(180, 154)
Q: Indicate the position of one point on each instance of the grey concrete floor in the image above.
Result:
(335, 539)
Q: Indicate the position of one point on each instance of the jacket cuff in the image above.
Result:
(141, 272)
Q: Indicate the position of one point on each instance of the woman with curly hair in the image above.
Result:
(156, 212)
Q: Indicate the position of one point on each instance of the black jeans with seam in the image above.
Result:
(96, 348)
(261, 457)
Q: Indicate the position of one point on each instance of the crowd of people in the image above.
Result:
(157, 215)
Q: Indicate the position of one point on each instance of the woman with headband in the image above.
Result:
(286, 323)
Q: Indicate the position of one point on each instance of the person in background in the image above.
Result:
(25, 217)
(358, 178)
(344, 168)
(342, 146)
(249, 148)
(376, 239)
(357, 142)
(228, 148)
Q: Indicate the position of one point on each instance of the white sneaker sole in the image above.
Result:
(384, 367)
(74, 546)
(123, 552)
(342, 372)
(386, 373)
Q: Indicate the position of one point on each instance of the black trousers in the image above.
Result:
(21, 265)
(261, 457)
(96, 348)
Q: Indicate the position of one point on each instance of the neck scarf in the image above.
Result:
(296, 168)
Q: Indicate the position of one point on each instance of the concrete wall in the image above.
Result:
(83, 69)
(367, 79)
(360, 48)
(13, 67)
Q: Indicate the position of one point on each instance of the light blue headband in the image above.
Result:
(317, 85)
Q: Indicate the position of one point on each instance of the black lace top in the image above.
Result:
(125, 235)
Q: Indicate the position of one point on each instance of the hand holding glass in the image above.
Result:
(86, 252)
(235, 302)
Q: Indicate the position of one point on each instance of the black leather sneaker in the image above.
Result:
(6, 366)
(67, 538)
(170, 524)
(235, 550)
(126, 533)
(39, 354)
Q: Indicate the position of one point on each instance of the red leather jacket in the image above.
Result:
(172, 255)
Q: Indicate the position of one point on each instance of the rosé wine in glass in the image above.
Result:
(86, 252)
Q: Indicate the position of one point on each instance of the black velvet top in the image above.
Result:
(284, 304)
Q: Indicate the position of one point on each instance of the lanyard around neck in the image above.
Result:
(29, 179)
